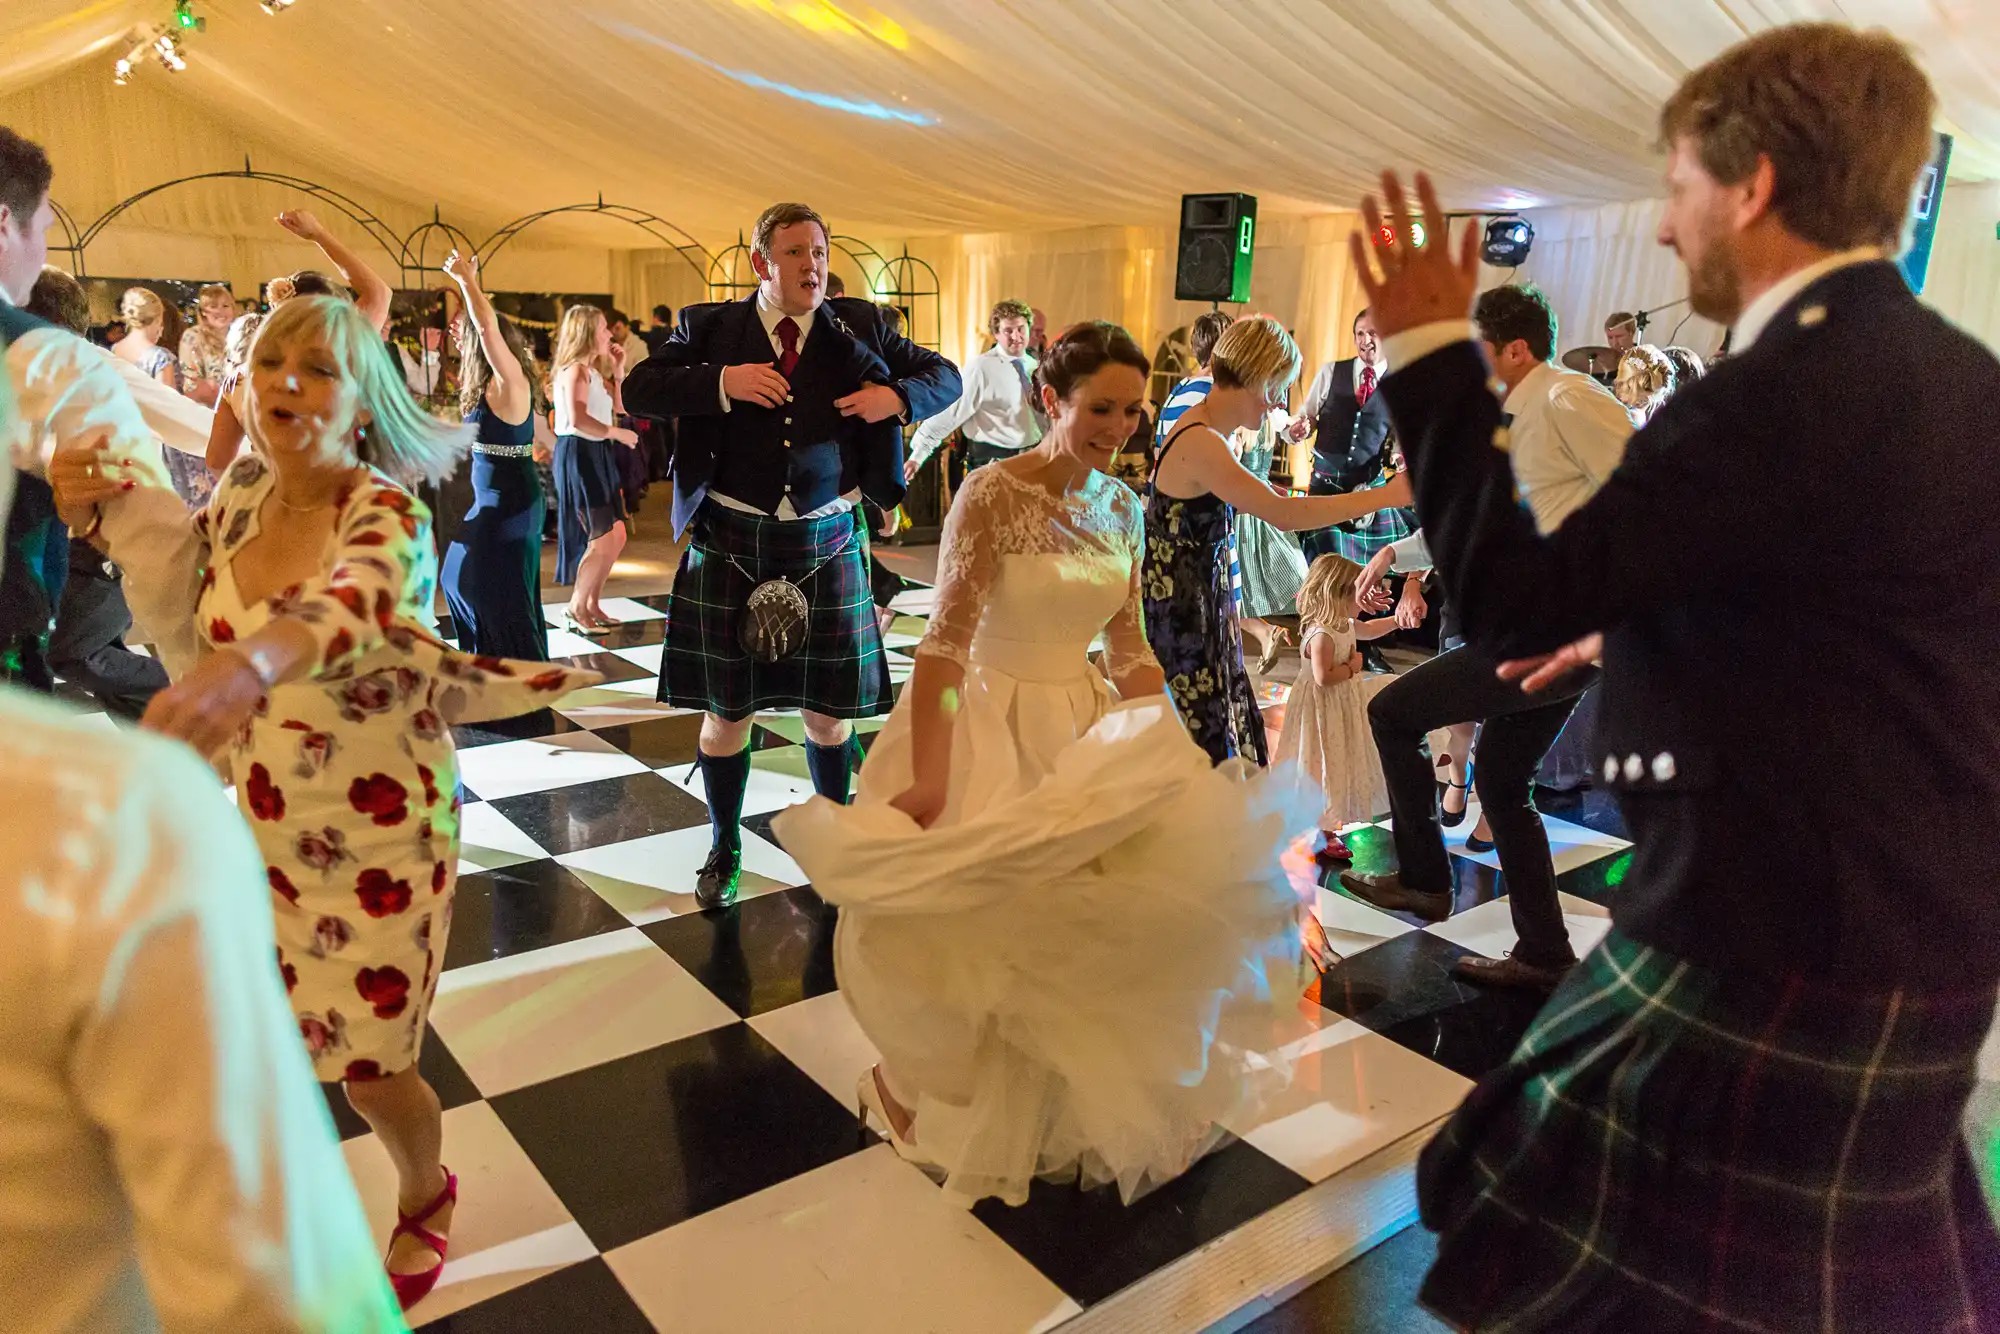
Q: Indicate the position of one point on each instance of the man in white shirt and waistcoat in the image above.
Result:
(996, 410)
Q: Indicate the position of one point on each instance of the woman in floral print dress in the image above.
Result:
(307, 583)
(1198, 486)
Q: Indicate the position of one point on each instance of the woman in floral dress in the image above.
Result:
(306, 586)
(1198, 486)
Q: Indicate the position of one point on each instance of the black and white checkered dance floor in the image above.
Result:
(650, 1109)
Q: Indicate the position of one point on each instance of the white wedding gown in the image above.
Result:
(1071, 970)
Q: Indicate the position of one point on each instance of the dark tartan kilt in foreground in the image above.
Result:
(840, 670)
(1673, 1150)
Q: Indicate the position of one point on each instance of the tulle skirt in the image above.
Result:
(1075, 971)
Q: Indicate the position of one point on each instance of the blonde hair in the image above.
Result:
(401, 439)
(237, 342)
(215, 292)
(576, 341)
(1327, 596)
(141, 309)
(1255, 352)
(1646, 374)
(1844, 116)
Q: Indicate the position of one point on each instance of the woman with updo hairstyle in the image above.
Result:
(1645, 381)
(1688, 366)
(145, 319)
(1198, 486)
(1059, 923)
(307, 663)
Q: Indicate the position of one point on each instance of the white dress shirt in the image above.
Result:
(993, 407)
(65, 389)
(177, 420)
(771, 315)
(1567, 437)
(1322, 384)
(166, 1159)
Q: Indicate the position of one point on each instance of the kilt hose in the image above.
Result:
(1672, 1149)
(840, 670)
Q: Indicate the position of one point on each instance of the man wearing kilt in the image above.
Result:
(790, 408)
(1743, 1110)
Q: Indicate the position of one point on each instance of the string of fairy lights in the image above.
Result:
(165, 43)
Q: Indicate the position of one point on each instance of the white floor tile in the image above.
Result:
(646, 656)
(859, 1246)
(820, 1037)
(509, 1228)
(599, 707)
(770, 789)
(569, 644)
(1489, 928)
(488, 840)
(512, 767)
(627, 609)
(1353, 1092)
(915, 601)
(1352, 927)
(527, 1018)
(649, 879)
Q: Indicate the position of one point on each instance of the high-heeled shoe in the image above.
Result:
(868, 1093)
(577, 627)
(1334, 851)
(1453, 819)
(1277, 640)
(1474, 843)
(413, 1288)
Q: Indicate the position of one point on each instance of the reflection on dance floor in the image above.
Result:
(649, 1109)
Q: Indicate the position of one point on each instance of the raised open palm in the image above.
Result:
(1418, 285)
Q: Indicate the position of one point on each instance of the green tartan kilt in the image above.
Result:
(1672, 1149)
(840, 670)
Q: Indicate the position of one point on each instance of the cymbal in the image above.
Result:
(1591, 360)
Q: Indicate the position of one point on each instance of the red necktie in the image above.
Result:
(1366, 390)
(788, 335)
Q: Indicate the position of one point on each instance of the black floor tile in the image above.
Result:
(763, 954)
(609, 665)
(1090, 1245)
(519, 908)
(1589, 807)
(634, 634)
(585, 1296)
(1376, 1294)
(609, 810)
(440, 1070)
(1403, 989)
(525, 727)
(657, 601)
(1599, 880)
(662, 743)
(653, 1139)
(1374, 851)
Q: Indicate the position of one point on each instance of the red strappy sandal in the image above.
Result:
(413, 1288)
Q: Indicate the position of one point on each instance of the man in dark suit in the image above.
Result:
(1743, 1109)
(790, 408)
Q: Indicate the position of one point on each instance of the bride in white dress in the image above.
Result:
(1063, 929)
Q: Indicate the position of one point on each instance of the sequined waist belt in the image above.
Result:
(504, 451)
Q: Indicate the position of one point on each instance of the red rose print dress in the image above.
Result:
(348, 777)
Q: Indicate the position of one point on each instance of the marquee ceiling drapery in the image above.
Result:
(957, 116)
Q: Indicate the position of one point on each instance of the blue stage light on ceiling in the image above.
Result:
(749, 79)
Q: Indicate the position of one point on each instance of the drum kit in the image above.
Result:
(1598, 362)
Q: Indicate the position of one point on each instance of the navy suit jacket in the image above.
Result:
(1797, 572)
(847, 348)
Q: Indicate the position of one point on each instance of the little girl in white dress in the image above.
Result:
(1326, 714)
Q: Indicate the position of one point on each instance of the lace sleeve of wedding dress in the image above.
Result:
(1125, 642)
(968, 564)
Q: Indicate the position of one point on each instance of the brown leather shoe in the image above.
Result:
(1389, 893)
(1508, 972)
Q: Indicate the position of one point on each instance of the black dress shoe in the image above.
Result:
(1509, 972)
(715, 883)
(1372, 659)
(1389, 893)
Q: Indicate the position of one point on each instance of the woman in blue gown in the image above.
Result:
(492, 572)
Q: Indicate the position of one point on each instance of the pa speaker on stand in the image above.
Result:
(1218, 241)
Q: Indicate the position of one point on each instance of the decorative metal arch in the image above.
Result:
(378, 231)
(416, 248)
(903, 281)
(71, 246)
(671, 234)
